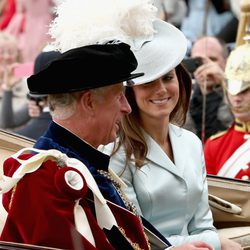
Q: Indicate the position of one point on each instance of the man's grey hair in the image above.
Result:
(62, 106)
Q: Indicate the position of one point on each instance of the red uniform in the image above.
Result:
(228, 153)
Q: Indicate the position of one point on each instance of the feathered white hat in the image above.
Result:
(161, 53)
(86, 22)
(158, 46)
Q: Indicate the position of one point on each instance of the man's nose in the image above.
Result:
(126, 108)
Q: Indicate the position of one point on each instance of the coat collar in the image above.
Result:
(242, 126)
(159, 157)
(69, 141)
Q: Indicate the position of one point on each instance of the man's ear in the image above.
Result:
(87, 102)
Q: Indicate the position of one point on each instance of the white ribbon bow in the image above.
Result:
(105, 217)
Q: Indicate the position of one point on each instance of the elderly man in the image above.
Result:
(86, 109)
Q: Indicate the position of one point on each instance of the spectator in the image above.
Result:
(172, 11)
(208, 91)
(30, 26)
(205, 18)
(30, 111)
(13, 88)
(7, 10)
(229, 32)
(155, 156)
(38, 107)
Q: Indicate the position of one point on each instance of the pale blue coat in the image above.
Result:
(172, 196)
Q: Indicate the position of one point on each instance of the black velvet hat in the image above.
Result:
(85, 68)
(44, 58)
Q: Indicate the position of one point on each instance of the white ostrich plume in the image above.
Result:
(85, 22)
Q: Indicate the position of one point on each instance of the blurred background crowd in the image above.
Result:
(209, 25)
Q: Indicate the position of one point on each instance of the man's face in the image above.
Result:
(109, 109)
(211, 48)
(8, 52)
(240, 105)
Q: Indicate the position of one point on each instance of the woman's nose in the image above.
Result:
(160, 85)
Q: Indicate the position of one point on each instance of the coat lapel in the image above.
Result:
(158, 156)
(178, 149)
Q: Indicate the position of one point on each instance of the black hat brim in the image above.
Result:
(85, 68)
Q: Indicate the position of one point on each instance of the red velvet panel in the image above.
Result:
(42, 214)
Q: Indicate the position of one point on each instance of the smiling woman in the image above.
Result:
(161, 163)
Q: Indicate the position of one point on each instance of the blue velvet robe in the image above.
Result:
(57, 137)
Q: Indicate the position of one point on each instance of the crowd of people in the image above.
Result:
(18, 19)
(129, 106)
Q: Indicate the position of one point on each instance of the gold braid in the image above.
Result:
(129, 205)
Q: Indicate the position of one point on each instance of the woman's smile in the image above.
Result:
(160, 101)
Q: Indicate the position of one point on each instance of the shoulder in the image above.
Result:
(217, 135)
(11, 164)
(215, 142)
(182, 132)
(185, 139)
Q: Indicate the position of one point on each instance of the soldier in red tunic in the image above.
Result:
(228, 153)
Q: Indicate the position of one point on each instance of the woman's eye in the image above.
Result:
(148, 84)
(168, 77)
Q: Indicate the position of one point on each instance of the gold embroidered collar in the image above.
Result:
(242, 126)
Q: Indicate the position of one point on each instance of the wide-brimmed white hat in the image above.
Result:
(161, 53)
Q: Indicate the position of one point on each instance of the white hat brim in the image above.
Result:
(234, 87)
(161, 54)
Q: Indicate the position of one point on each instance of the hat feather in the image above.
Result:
(85, 22)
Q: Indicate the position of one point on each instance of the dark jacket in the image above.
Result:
(36, 126)
(213, 121)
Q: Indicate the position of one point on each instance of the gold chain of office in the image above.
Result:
(129, 205)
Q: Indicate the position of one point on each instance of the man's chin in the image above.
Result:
(243, 117)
